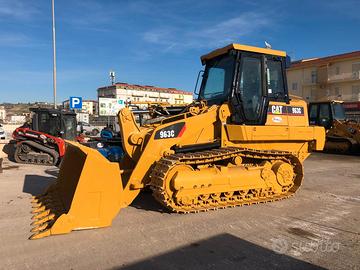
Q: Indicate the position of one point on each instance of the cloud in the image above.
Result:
(161, 35)
(20, 40)
(17, 9)
(13, 39)
(239, 26)
(232, 29)
(226, 31)
(90, 15)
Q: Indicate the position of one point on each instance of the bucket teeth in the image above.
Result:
(38, 210)
(43, 220)
(41, 234)
(41, 214)
(40, 227)
(36, 199)
(36, 205)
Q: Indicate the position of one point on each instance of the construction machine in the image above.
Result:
(43, 140)
(342, 135)
(243, 141)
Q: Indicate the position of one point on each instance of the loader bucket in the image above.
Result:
(87, 194)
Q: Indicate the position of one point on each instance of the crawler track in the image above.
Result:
(35, 153)
(207, 201)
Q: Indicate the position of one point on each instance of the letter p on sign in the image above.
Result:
(75, 103)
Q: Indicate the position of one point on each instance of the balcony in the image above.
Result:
(310, 82)
(344, 77)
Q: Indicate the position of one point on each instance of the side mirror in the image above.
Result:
(201, 72)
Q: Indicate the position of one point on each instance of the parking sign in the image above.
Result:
(75, 102)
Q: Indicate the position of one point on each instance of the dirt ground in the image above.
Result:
(317, 228)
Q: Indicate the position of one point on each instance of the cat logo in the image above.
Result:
(286, 110)
(277, 109)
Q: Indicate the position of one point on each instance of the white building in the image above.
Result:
(18, 119)
(2, 113)
(88, 106)
(145, 93)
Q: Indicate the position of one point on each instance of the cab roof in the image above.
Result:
(327, 101)
(52, 111)
(241, 47)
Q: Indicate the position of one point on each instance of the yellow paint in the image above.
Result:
(241, 47)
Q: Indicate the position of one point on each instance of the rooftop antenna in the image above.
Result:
(267, 45)
(112, 77)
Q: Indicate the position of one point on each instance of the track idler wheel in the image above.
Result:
(284, 173)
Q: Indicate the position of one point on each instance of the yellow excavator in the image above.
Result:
(243, 141)
(342, 135)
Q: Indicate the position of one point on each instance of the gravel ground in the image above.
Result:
(317, 228)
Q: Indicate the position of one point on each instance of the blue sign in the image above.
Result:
(76, 103)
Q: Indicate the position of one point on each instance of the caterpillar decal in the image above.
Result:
(286, 110)
(172, 131)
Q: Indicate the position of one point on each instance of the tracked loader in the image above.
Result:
(342, 135)
(43, 142)
(242, 142)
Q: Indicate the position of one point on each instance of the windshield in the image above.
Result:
(338, 111)
(218, 78)
(48, 123)
(69, 127)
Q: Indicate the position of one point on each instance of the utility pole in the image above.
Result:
(54, 50)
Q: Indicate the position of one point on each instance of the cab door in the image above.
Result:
(261, 79)
(251, 87)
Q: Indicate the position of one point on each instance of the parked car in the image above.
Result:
(2, 133)
(86, 128)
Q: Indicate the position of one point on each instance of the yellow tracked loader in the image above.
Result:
(243, 141)
(342, 135)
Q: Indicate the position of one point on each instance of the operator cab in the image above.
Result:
(54, 122)
(324, 113)
(248, 78)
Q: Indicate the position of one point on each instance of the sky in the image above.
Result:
(154, 42)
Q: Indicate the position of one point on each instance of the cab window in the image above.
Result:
(313, 114)
(338, 111)
(274, 78)
(218, 78)
(324, 115)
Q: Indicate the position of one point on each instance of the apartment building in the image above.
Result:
(145, 93)
(88, 106)
(333, 77)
